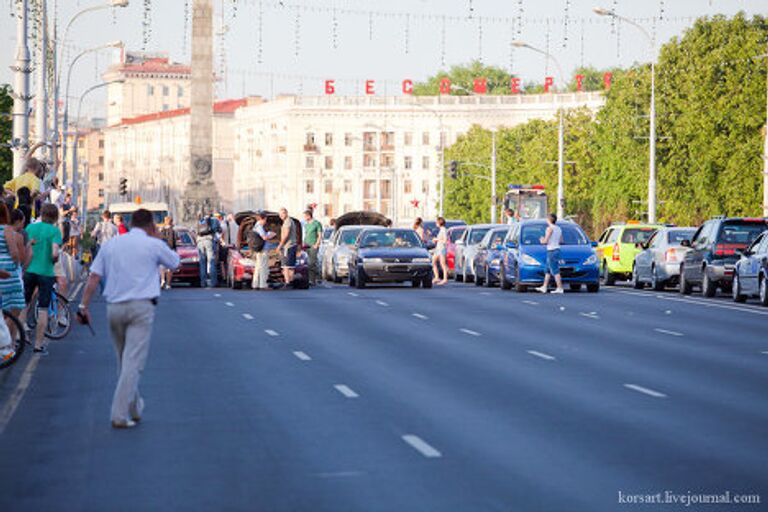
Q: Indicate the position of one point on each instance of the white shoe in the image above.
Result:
(558, 291)
(541, 289)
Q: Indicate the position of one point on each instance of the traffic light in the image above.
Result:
(123, 187)
(454, 169)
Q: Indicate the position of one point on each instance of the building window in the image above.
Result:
(407, 187)
(347, 139)
(309, 186)
(387, 160)
(101, 144)
(425, 187)
(348, 186)
(329, 162)
(369, 160)
(386, 189)
(101, 192)
(328, 186)
(180, 92)
(80, 144)
(166, 90)
(369, 141)
(369, 189)
(150, 90)
(310, 162)
(101, 161)
(425, 162)
(165, 107)
(388, 141)
(408, 162)
(328, 210)
(101, 176)
(425, 138)
(329, 139)
(309, 142)
(407, 138)
(348, 163)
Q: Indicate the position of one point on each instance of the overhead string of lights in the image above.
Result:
(146, 24)
(260, 34)
(566, 15)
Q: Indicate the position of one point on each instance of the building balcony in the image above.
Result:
(310, 148)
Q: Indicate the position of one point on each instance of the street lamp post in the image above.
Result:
(560, 132)
(21, 95)
(493, 176)
(41, 99)
(652, 129)
(65, 126)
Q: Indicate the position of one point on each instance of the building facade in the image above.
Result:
(380, 153)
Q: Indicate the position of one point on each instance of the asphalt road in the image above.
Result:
(393, 399)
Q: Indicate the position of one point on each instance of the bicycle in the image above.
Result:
(59, 317)
(19, 343)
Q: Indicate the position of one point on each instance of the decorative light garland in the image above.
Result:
(146, 24)
(565, 22)
(260, 34)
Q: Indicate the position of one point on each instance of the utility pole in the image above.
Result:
(41, 98)
(765, 146)
(652, 144)
(493, 176)
(561, 166)
(21, 95)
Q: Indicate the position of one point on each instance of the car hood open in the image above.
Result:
(361, 218)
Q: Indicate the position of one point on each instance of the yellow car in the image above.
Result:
(617, 248)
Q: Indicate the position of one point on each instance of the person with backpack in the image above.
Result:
(257, 242)
(207, 230)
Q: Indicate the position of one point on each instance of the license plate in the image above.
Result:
(397, 268)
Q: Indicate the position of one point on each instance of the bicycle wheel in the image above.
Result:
(59, 319)
(19, 341)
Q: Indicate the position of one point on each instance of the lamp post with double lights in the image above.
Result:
(652, 129)
(560, 131)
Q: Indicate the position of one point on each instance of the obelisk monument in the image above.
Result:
(200, 195)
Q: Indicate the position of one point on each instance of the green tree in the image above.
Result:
(6, 156)
(463, 79)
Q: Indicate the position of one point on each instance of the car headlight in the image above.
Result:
(373, 260)
(495, 263)
(592, 260)
(530, 260)
(193, 259)
(420, 260)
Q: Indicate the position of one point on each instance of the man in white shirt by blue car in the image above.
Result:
(129, 265)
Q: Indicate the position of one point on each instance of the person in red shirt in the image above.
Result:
(121, 227)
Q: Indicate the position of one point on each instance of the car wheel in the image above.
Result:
(359, 278)
(236, 285)
(637, 284)
(708, 288)
(763, 286)
(487, 280)
(415, 283)
(427, 282)
(351, 279)
(576, 287)
(335, 277)
(656, 283)
(593, 288)
(736, 289)
(685, 287)
(607, 277)
(478, 280)
(467, 277)
(456, 276)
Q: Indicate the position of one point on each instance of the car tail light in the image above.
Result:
(616, 256)
(671, 256)
(727, 249)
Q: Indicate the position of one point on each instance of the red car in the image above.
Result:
(186, 248)
(454, 234)
(240, 267)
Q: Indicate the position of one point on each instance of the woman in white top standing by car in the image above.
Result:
(552, 239)
(440, 253)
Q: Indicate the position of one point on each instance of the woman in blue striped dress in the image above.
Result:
(12, 258)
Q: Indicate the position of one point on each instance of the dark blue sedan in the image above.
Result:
(389, 255)
(488, 257)
(524, 259)
(750, 277)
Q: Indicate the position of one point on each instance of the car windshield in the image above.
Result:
(676, 236)
(184, 238)
(349, 236)
(456, 234)
(637, 235)
(396, 238)
(327, 233)
(741, 232)
(476, 236)
(497, 237)
(572, 235)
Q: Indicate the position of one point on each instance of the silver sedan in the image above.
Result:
(658, 263)
(466, 248)
(337, 252)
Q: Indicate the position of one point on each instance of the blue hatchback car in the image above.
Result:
(523, 261)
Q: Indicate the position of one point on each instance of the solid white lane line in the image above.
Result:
(531, 302)
(353, 294)
(645, 391)
(301, 355)
(346, 391)
(542, 355)
(765, 352)
(381, 303)
(271, 332)
(421, 446)
(229, 304)
(248, 316)
(671, 333)
(15, 399)
(217, 295)
(745, 308)
(420, 316)
(470, 332)
(591, 315)
(485, 293)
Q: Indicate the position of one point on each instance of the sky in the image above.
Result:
(269, 48)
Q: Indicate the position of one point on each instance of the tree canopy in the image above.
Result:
(6, 156)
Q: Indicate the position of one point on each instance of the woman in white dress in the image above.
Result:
(440, 253)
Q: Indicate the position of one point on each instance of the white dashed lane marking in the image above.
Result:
(247, 316)
(353, 294)
(421, 446)
(270, 332)
(593, 315)
(541, 355)
(301, 355)
(470, 332)
(531, 302)
(229, 304)
(381, 303)
(765, 352)
(217, 295)
(670, 333)
(420, 316)
(645, 391)
(346, 391)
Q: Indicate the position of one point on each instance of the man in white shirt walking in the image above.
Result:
(552, 239)
(129, 265)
